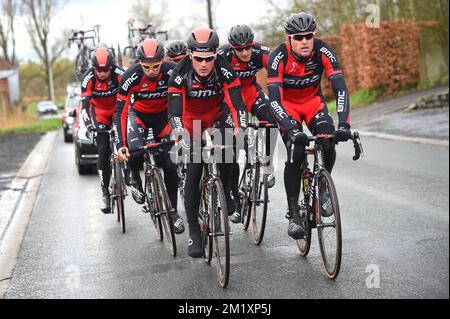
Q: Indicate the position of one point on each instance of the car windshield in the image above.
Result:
(73, 101)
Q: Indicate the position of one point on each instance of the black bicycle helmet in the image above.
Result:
(203, 40)
(240, 35)
(176, 48)
(102, 58)
(150, 50)
(299, 22)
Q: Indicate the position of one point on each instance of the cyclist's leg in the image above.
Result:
(322, 123)
(192, 203)
(262, 111)
(102, 120)
(164, 161)
(136, 133)
(229, 168)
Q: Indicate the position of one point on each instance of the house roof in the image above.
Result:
(4, 65)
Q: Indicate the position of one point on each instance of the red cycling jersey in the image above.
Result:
(246, 71)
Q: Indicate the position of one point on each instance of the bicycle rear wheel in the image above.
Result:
(259, 202)
(165, 213)
(220, 232)
(329, 228)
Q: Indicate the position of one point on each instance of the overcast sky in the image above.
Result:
(113, 15)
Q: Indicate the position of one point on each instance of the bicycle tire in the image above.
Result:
(304, 244)
(220, 228)
(165, 216)
(152, 206)
(120, 196)
(244, 198)
(331, 268)
(259, 196)
(205, 225)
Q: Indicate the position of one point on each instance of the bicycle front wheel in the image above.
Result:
(119, 195)
(152, 205)
(165, 213)
(220, 232)
(259, 202)
(329, 225)
(244, 198)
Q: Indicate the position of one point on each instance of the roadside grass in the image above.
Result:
(37, 126)
(25, 120)
(358, 99)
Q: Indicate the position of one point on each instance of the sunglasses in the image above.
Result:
(148, 67)
(205, 58)
(103, 70)
(300, 37)
(240, 49)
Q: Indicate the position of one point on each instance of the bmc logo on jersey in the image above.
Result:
(152, 96)
(129, 81)
(202, 93)
(226, 73)
(87, 79)
(277, 60)
(301, 82)
(328, 54)
(246, 74)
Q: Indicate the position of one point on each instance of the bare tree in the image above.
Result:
(40, 14)
(145, 12)
(7, 36)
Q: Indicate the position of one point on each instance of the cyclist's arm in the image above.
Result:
(336, 78)
(130, 79)
(86, 96)
(265, 52)
(276, 63)
(176, 101)
(233, 94)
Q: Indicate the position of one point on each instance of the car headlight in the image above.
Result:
(82, 135)
(69, 120)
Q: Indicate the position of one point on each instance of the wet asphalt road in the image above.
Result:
(14, 149)
(394, 206)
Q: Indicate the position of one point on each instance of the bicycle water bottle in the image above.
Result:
(306, 182)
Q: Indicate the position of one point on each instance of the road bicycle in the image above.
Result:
(253, 185)
(319, 206)
(82, 60)
(213, 216)
(157, 201)
(117, 185)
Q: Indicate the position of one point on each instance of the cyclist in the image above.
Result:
(295, 71)
(141, 104)
(202, 88)
(98, 95)
(247, 58)
(175, 51)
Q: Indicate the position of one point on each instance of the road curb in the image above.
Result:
(400, 138)
(17, 204)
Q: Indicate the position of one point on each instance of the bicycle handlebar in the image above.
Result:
(359, 152)
(261, 124)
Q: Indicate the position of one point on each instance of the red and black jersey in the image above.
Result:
(246, 71)
(99, 94)
(297, 81)
(194, 98)
(144, 95)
